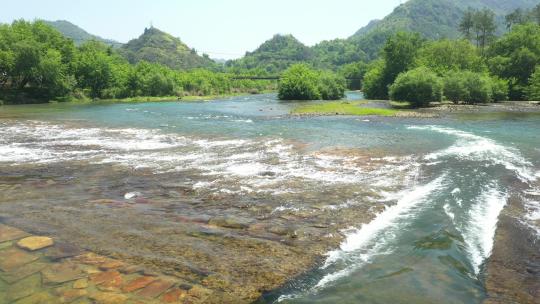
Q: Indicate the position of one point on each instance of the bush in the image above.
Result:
(533, 91)
(454, 87)
(331, 87)
(474, 88)
(374, 86)
(500, 89)
(479, 89)
(300, 82)
(419, 87)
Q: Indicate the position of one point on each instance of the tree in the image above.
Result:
(399, 54)
(514, 57)
(467, 24)
(374, 86)
(93, 68)
(356, 72)
(485, 27)
(518, 16)
(419, 87)
(450, 55)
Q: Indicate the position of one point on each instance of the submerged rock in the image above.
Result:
(13, 258)
(230, 222)
(61, 273)
(34, 243)
(8, 233)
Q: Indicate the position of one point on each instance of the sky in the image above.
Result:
(223, 29)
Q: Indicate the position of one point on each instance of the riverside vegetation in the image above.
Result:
(39, 64)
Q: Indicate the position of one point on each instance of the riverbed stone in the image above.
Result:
(80, 284)
(155, 289)
(43, 297)
(108, 279)
(62, 251)
(24, 288)
(174, 295)
(61, 273)
(22, 272)
(108, 297)
(138, 283)
(13, 258)
(8, 233)
(34, 243)
(70, 295)
(230, 222)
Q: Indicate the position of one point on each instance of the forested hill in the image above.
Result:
(273, 56)
(432, 18)
(157, 46)
(77, 34)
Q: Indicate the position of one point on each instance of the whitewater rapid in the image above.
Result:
(473, 209)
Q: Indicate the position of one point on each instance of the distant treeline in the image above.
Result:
(37, 63)
(476, 69)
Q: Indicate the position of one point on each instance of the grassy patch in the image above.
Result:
(342, 108)
(400, 105)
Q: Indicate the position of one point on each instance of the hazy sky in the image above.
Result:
(223, 29)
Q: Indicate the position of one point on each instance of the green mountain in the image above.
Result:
(77, 34)
(434, 19)
(159, 47)
(274, 55)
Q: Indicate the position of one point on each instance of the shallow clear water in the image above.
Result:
(444, 181)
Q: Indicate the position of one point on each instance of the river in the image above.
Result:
(403, 210)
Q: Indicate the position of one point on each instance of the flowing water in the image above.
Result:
(434, 187)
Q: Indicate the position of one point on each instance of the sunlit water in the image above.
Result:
(444, 181)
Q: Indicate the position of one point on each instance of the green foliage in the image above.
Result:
(374, 86)
(300, 82)
(514, 58)
(331, 86)
(399, 55)
(156, 46)
(273, 56)
(37, 63)
(450, 55)
(419, 87)
(455, 88)
(479, 25)
(355, 72)
(533, 91)
(471, 87)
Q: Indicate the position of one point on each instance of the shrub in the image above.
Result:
(299, 82)
(533, 91)
(500, 89)
(419, 87)
(331, 87)
(473, 87)
(479, 89)
(454, 87)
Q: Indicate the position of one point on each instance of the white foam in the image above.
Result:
(479, 232)
(477, 148)
(371, 239)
